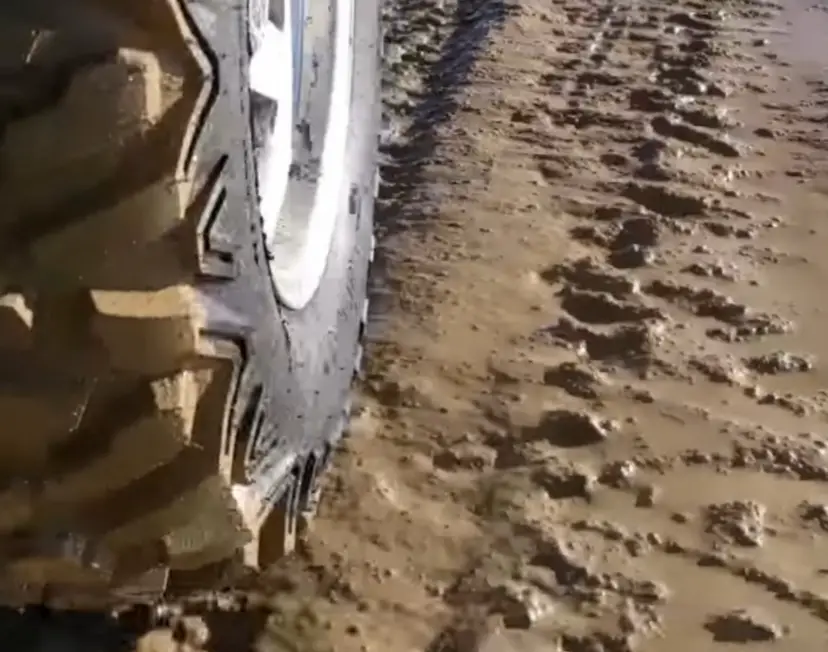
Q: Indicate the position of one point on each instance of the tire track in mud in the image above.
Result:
(429, 49)
(658, 310)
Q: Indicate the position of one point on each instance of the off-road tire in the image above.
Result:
(148, 369)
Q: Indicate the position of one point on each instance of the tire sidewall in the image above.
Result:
(310, 394)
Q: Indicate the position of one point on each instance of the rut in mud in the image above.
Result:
(594, 412)
(431, 47)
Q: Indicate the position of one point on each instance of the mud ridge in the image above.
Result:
(444, 54)
(430, 48)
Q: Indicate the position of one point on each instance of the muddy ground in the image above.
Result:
(594, 411)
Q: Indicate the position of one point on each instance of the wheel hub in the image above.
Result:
(300, 80)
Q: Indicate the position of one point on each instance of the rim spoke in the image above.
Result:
(270, 65)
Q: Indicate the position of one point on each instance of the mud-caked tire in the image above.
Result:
(162, 411)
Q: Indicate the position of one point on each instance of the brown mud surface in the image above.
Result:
(594, 413)
(594, 417)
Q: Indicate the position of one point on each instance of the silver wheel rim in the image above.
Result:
(301, 153)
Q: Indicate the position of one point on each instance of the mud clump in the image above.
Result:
(646, 496)
(631, 257)
(783, 456)
(641, 231)
(797, 406)
(591, 233)
(524, 115)
(630, 345)
(560, 480)
(712, 119)
(402, 393)
(521, 606)
(665, 201)
(670, 128)
(684, 80)
(653, 172)
(557, 558)
(651, 100)
(815, 513)
(710, 270)
(752, 327)
(184, 633)
(651, 150)
(575, 380)
(690, 21)
(586, 274)
(593, 78)
(720, 369)
(705, 302)
(738, 522)
(570, 429)
(780, 362)
(614, 160)
(465, 456)
(581, 118)
(743, 626)
(600, 308)
(723, 230)
(619, 474)
(596, 642)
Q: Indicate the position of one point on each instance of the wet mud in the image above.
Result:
(593, 415)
